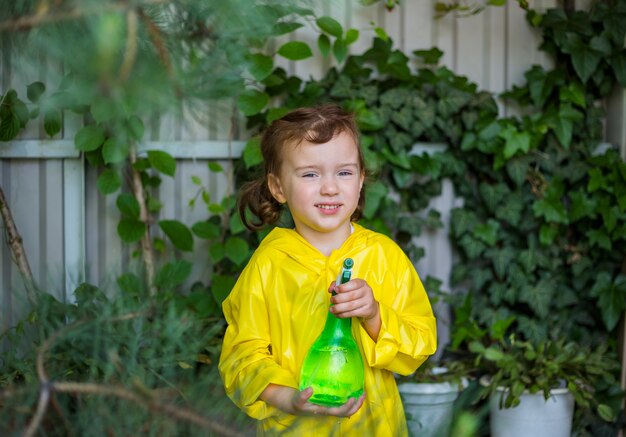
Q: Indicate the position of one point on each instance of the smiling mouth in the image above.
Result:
(327, 206)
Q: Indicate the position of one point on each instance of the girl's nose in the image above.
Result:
(329, 186)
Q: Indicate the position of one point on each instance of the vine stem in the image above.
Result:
(16, 246)
(146, 242)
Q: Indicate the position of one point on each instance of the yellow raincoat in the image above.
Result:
(278, 308)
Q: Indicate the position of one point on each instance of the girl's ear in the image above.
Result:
(273, 183)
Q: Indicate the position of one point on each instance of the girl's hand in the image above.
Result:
(305, 408)
(295, 402)
(355, 298)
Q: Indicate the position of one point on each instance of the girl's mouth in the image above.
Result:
(328, 208)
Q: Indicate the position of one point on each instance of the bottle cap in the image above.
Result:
(348, 263)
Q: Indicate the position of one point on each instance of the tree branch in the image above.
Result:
(17, 249)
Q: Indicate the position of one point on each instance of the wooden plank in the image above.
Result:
(51, 223)
(471, 38)
(418, 26)
(73, 225)
(206, 149)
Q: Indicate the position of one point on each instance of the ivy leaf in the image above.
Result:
(162, 161)
(552, 210)
(611, 298)
(330, 26)
(585, 60)
(109, 181)
(501, 259)
(323, 44)
(251, 102)
(128, 205)
(237, 250)
(216, 252)
(517, 169)
(600, 238)
(89, 138)
(547, 234)
(295, 51)
(487, 232)
(178, 233)
(252, 152)
(515, 141)
(374, 193)
(618, 63)
(131, 230)
(581, 206)
(172, 274)
(462, 221)
(9, 127)
(538, 297)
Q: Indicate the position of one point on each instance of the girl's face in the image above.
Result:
(321, 184)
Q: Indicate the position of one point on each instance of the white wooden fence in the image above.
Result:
(69, 229)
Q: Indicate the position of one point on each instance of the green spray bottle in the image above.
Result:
(333, 366)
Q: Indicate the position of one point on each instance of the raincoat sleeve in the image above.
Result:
(408, 332)
(246, 363)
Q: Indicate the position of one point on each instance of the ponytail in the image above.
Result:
(256, 196)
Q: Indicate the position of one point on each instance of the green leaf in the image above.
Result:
(323, 44)
(235, 224)
(252, 152)
(130, 283)
(52, 122)
(581, 206)
(206, 230)
(109, 181)
(35, 90)
(251, 102)
(351, 36)
(501, 259)
(221, 285)
(547, 234)
(284, 28)
(89, 138)
(260, 66)
(374, 193)
(431, 56)
(178, 233)
(600, 238)
(237, 250)
(606, 412)
(515, 141)
(487, 232)
(295, 51)
(276, 113)
(131, 230)
(135, 128)
(162, 161)
(115, 150)
(9, 127)
(215, 167)
(381, 33)
(340, 50)
(585, 60)
(172, 274)
(538, 297)
(128, 205)
(552, 210)
(216, 252)
(330, 26)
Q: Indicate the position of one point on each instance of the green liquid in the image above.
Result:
(334, 372)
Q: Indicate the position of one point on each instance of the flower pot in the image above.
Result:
(535, 416)
(428, 407)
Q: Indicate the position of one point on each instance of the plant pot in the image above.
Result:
(535, 416)
(429, 407)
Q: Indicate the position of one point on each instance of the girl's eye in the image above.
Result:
(308, 175)
(345, 173)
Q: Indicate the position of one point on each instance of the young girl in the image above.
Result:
(278, 307)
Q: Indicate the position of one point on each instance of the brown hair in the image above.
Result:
(316, 125)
